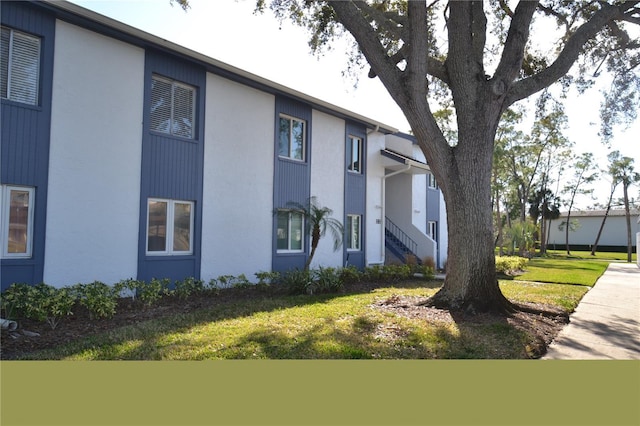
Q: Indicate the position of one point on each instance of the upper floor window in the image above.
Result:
(291, 138)
(17, 221)
(432, 181)
(354, 154)
(353, 232)
(290, 231)
(19, 66)
(169, 227)
(433, 230)
(172, 107)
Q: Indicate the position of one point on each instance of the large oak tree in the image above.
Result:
(486, 64)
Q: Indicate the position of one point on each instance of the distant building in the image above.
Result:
(614, 233)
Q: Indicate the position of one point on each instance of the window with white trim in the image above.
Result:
(173, 106)
(19, 66)
(433, 230)
(17, 221)
(291, 138)
(432, 181)
(354, 154)
(290, 231)
(169, 227)
(353, 232)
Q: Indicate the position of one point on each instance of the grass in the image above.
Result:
(564, 271)
(338, 326)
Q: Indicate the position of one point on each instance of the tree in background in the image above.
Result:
(584, 173)
(484, 64)
(622, 172)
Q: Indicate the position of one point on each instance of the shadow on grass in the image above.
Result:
(144, 338)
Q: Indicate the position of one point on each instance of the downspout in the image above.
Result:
(6, 324)
(384, 203)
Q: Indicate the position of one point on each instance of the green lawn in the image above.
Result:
(339, 326)
(564, 271)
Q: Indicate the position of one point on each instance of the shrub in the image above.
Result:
(510, 264)
(14, 300)
(325, 280)
(373, 273)
(241, 281)
(426, 271)
(429, 262)
(223, 281)
(350, 275)
(99, 298)
(298, 281)
(130, 286)
(266, 279)
(187, 287)
(151, 292)
(41, 302)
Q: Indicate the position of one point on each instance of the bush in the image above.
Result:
(510, 264)
(350, 275)
(266, 279)
(185, 288)
(41, 302)
(129, 285)
(151, 292)
(99, 298)
(325, 280)
(297, 281)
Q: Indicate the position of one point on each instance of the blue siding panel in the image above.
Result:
(24, 139)
(292, 180)
(355, 194)
(172, 168)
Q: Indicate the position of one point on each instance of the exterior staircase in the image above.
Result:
(398, 242)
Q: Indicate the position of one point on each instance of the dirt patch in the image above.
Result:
(543, 325)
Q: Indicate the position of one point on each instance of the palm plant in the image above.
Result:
(317, 221)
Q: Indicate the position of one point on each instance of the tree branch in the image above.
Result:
(513, 52)
(565, 60)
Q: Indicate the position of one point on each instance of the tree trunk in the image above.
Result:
(627, 214)
(604, 219)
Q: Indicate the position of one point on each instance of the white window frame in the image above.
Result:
(289, 233)
(169, 228)
(170, 128)
(304, 138)
(5, 196)
(11, 67)
(432, 226)
(355, 165)
(350, 241)
(431, 181)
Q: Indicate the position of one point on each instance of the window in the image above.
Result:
(17, 221)
(431, 180)
(353, 232)
(290, 231)
(19, 66)
(172, 107)
(354, 154)
(169, 227)
(433, 230)
(291, 139)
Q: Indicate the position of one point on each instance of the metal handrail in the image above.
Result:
(400, 235)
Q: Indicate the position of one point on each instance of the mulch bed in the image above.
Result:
(79, 325)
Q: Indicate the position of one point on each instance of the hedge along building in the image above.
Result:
(124, 155)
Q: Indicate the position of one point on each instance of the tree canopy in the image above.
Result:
(481, 57)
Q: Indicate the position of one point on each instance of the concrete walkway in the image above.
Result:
(606, 323)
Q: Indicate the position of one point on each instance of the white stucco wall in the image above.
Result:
(95, 159)
(327, 179)
(375, 216)
(613, 234)
(238, 180)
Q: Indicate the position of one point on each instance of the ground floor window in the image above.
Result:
(290, 231)
(169, 227)
(17, 221)
(353, 232)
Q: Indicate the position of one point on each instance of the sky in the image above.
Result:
(229, 31)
